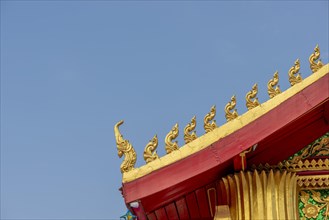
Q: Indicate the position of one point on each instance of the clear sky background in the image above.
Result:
(71, 69)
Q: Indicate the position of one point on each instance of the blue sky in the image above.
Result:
(71, 70)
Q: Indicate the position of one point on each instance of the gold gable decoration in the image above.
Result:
(305, 159)
(313, 188)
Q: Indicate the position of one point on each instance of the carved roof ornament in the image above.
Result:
(188, 134)
(252, 95)
(150, 153)
(318, 148)
(315, 65)
(172, 146)
(229, 107)
(273, 83)
(294, 76)
(210, 126)
(124, 149)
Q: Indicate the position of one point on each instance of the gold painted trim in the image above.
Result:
(313, 182)
(209, 202)
(224, 130)
(308, 164)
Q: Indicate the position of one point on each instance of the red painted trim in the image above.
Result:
(182, 209)
(203, 203)
(192, 206)
(171, 212)
(151, 217)
(161, 213)
(320, 172)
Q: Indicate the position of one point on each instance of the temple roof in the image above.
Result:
(268, 132)
(235, 122)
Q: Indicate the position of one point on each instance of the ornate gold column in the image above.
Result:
(262, 195)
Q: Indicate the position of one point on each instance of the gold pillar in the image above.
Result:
(262, 195)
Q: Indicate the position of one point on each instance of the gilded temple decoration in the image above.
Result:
(313, 182)
(312, 157)
(319, 148)
(315, 204)
(309, 164)
(124, 149)
(294, 75)
(189, 133)
(312, 165)
(229, 107)
(261, 195)
(252, 95)
(272, 88)
(172, 146)
(210, 126)
(150, 153)
(314, 64)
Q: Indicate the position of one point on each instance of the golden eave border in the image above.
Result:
(223, 131)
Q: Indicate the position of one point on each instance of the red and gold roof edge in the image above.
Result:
(214, 133)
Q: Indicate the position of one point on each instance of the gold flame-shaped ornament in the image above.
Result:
(315, 65)
(188, 134)
(150, 153)
(229, 107)
(170, 145)
(124, 149)
(273, 83)
(252, 95)
(210, 126)
(294, 76)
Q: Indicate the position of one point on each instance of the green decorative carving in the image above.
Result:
(314, 204)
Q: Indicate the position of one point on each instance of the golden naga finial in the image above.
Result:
(150, 153)
(188, 137)
(250, 95)
(271, 84)
(229, 107)
(172, 146)
(210, 116)
(315, 65)
(126, 149)
(294, 70)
